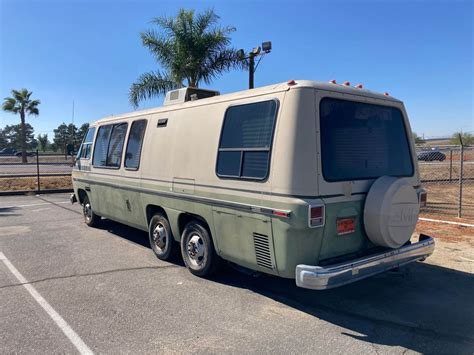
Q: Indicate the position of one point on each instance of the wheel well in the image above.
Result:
(185, 218)
(81, 194)
(151, 210)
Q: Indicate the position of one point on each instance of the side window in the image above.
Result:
(109, 145)
(100, 147)
(114, 155)
(85, 150)
(134, 144)
(246, 139)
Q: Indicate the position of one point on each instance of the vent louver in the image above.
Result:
(262, 251)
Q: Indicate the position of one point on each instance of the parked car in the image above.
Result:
(431, 156)
(28, 154)
(7, 152)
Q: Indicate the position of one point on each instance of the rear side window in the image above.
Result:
(109, 145)
(362, 141)
(134, 145)
(246, 140)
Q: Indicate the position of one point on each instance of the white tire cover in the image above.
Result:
(391, 212)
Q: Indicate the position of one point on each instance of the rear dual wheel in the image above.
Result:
(198, 251)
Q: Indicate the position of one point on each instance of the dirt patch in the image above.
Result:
(447, 232)
(30, 183)
(454, 245)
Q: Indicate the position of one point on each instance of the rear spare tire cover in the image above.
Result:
(391, 212)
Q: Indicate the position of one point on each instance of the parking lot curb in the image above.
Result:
(33, 192)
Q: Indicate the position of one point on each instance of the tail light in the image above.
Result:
(316, 216)
(423, 197)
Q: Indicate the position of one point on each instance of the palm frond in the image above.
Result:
(150, 85)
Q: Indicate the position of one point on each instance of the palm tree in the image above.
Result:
(20, 103)
(190, 48)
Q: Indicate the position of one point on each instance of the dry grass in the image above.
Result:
(30, 183)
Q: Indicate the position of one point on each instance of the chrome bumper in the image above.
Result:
(322, 278)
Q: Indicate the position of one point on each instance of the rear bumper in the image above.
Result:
(322, 278)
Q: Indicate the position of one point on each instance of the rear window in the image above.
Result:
(246, 139)
(362, 141)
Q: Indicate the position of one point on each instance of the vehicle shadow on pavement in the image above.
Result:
(435, 305)
(8, 211)
(424, 300)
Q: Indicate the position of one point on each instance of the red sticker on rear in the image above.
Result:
(345, 226)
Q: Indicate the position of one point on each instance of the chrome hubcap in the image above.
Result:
(87, 211)
(159, 237)
(196, 250)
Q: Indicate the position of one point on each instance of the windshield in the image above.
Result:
(362, 141)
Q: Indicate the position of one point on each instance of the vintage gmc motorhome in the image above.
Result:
(307, 180)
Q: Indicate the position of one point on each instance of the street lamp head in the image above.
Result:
(256, 51)
(267, 46)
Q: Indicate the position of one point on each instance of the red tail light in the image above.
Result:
(423, 198)
(316, 216)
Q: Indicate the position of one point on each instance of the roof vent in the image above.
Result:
(187, 94)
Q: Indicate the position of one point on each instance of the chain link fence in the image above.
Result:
(447, 173)
(42, 173)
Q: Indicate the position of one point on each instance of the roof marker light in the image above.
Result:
(346, 83)
(291, 82)
(386, 94)
(359, 86)
(333, 81)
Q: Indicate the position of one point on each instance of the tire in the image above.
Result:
(91, 219)
(198, 251)
(161, 238)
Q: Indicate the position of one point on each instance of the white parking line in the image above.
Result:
(60, 322)
(35, 204)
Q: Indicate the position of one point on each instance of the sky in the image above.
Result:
(89, 52)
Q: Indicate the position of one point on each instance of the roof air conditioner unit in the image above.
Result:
(187, 94)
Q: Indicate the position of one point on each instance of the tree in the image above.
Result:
(66, 137)
(417, 139)
(467, 138)
(43, 142)
(3, 140)
(13, 136)
(83, 131)
(61, 137)
(190, 48)
(21, 103)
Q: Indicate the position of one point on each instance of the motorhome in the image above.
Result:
(307, 180)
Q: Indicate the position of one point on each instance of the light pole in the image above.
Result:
(255, 52)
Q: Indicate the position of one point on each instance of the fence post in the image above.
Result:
(461, 168)
(450, 164)
(38, 172)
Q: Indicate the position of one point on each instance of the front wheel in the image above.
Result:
(198, 250)
(91, 219)
(161, 238)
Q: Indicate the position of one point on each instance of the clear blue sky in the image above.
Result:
(90, 52)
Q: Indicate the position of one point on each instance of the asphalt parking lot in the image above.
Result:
(107, 293)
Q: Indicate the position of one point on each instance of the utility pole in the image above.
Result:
(251, 69)
(257, 51)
